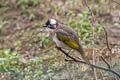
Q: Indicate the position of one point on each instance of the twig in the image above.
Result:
(93, 35)
(66, 54)
(116, 2)
(106, 62)
(86, 3)
(93, 65)
(107, 42)
(102, 78)
(106, 31)
(108, 46)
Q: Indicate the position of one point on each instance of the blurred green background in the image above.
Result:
(28, 53)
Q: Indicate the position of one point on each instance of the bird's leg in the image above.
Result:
(66, 54)
(59, 48)
(69, 51)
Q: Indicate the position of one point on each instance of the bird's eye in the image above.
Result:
(51, 27)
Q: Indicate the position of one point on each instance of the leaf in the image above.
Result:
(3, 59)
(38, 74)
(50, 72)
(7, 51)
(84, 68)
(1, 51)
(23, 60)
(2, 23)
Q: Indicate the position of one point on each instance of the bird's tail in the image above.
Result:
(83, 55)
(85, 58)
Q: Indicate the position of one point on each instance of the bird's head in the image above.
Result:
(50, 25)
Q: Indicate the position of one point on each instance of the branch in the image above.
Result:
(106, 36)
(108, 46)
(93, 35)
(106, 62)
(93, 26)
(93, 65)
(86, 3)
(116, 2)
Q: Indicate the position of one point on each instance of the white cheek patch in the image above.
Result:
(52, 21)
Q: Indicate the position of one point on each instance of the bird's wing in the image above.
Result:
(67, 38)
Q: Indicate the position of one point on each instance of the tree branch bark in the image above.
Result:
(93, 65)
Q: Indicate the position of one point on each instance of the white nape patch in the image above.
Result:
(53, 21)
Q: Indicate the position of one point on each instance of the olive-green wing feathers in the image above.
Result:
(67, 38)
(70, 39)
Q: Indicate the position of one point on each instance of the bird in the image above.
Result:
(64, 37)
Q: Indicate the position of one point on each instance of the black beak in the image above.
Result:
(44, 25)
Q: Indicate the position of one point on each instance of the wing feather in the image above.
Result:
(67, 38)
